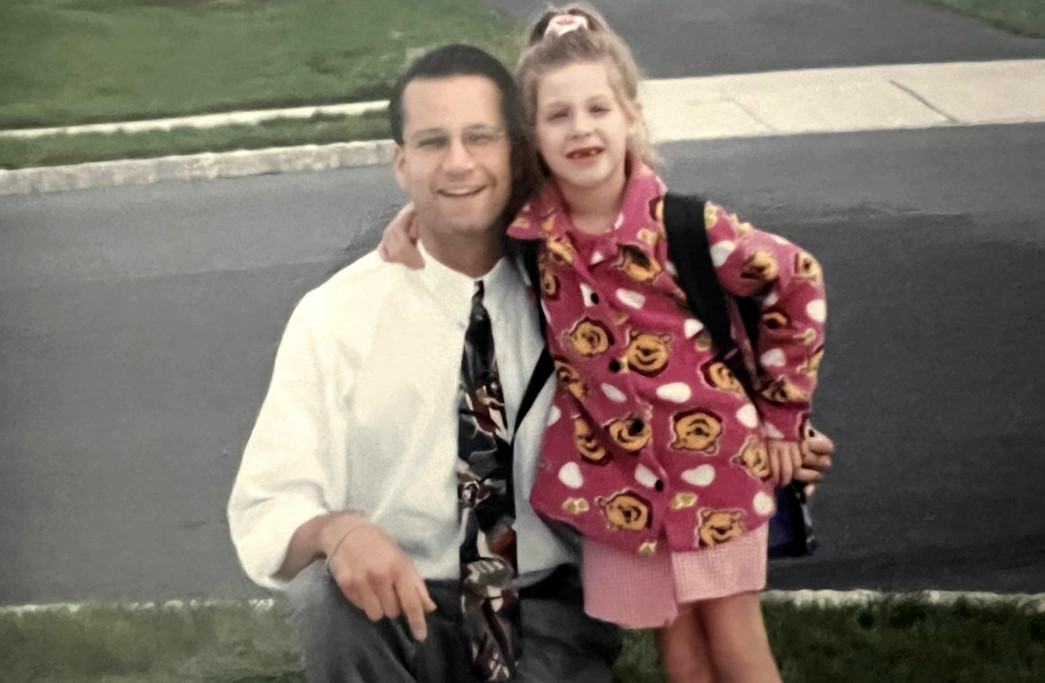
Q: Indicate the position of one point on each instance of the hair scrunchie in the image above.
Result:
(564, 23)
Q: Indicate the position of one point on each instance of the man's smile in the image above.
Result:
(460, 192)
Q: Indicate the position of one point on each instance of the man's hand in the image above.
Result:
(377, 577)
(817, 450)
(399, 241)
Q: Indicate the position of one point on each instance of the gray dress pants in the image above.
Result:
(341, 645)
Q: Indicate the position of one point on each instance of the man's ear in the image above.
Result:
(398, 163)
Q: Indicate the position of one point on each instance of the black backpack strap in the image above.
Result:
(689, 250)
(541, 372)
(529, 253)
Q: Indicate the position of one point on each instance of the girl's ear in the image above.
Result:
(632, 108)
(633, 112)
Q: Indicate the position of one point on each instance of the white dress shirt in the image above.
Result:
(361, 414)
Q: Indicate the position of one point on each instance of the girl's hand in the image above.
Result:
(785, 459)
(399, 241)
(817, 449)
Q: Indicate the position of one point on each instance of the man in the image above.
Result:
(363, 453)
(355, 452)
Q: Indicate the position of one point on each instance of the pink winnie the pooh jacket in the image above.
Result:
(650, 435)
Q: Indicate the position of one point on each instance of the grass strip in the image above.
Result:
(118, 644)
(54, 150)
(895, 639)
(70, 62)
(1022, 17)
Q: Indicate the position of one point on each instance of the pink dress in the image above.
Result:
(653, 449)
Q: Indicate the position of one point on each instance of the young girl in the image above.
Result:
(653, 450)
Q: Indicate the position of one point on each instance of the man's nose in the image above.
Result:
(458, 157)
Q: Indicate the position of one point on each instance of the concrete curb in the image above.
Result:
(257, 604)
(833, 598)
(206, 166)
(822, 598)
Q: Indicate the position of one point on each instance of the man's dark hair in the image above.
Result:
(466, 60)
(456, 60)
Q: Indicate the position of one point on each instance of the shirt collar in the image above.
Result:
(454, 290)
(498, 283)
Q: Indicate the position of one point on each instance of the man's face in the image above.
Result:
(455, 161)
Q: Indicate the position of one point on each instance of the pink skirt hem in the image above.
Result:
(650, 592)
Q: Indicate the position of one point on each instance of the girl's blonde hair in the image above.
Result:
(595, 43)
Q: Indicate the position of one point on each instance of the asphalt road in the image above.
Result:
(138, 331)
(679, 38)
(934, 248)
(138, 327)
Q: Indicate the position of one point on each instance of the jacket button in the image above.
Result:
(614, 365)
(659, 485)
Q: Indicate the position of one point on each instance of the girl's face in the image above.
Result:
(582, 128)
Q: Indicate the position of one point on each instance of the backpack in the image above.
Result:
(791, 528)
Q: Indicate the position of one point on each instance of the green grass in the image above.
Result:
(1023, 17)
(70, 62)
(230, 642)
(895, 640)
(903, 640)
(73, 149)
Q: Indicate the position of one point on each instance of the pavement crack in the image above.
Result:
(924, 101)
(758, 119)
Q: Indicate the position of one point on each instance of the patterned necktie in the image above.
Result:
(484, 490)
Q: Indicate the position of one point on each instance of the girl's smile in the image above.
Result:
(584, 153)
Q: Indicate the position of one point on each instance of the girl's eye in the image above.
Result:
(556, 115)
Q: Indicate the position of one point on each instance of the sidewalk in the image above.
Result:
(847, 99)
(748, 105)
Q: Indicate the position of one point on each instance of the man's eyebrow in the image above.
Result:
(427, 132)
(442, 132)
